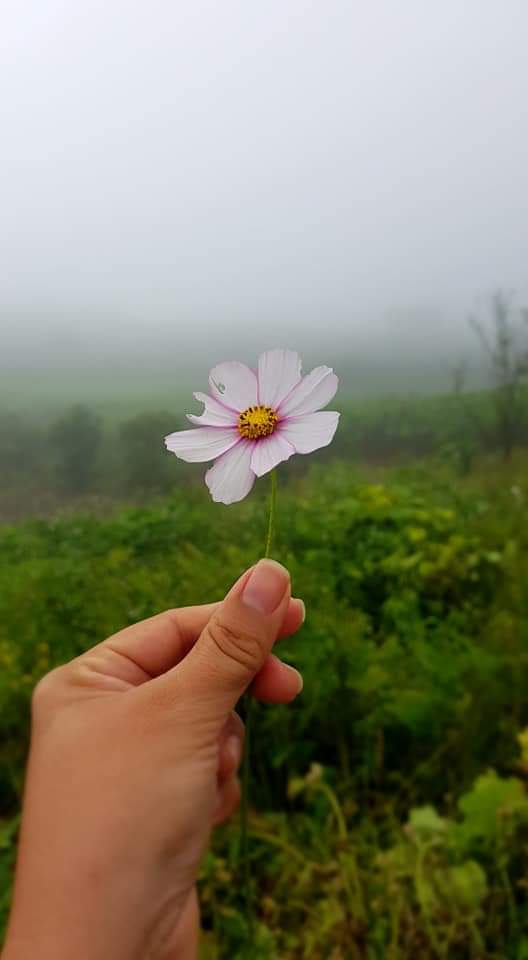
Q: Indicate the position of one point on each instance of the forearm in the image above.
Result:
(87, 932)
(81, 890)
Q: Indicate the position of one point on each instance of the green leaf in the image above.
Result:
(468, 884)
(491, 799)
(424, 822)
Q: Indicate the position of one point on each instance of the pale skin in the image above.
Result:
(135, 750)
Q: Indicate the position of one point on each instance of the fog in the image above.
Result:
(183, 182)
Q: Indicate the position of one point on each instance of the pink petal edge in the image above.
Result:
(278, 373)
(311, 431)
(215, 414)
(270, 451)
(313, 392)
(201, 444)
(239, 383)
(230, 479)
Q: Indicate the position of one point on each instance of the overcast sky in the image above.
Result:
(257, 171)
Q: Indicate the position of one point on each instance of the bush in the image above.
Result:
(380, 827)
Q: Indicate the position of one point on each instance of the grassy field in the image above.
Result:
(77, 456)
(390, 812)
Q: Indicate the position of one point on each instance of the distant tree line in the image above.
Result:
(80, 454)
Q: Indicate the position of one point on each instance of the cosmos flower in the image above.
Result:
(252, 421)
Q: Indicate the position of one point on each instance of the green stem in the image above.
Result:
(244, 802)
(271, 515)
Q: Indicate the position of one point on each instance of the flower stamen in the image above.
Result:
(257, 422)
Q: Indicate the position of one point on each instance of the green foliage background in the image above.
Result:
(390, 814)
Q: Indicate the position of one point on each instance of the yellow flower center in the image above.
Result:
(257, 422)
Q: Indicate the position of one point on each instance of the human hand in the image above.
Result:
(134, 756)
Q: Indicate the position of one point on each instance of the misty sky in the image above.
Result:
(279, 172)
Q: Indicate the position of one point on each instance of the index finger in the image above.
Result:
(157, 644)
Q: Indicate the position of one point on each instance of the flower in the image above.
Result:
(252, 421)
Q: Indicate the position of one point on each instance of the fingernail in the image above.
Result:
(266, 586)
(303, 608)
(234, 749)
(298, 675)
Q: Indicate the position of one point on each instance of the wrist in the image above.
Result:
(112, 913)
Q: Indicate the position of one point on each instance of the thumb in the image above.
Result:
(235, 642)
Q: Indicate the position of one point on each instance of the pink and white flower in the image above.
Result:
(253, 420)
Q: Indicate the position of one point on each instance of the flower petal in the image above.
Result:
(231, 477)
(278, 372)
(234, 385)
(204, 443)
(310, 431)
(313, 392)
(268, 452)
(215, 414)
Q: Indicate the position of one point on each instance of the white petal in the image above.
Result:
(231, 477)
(205, 443)
(268, 452)
(278, 372)
(310, 431)
(234, 385)
(215, 414)
(313, 392)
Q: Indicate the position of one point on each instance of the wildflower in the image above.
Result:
(253, 420)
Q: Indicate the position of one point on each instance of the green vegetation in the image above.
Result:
(88, 460)
(390, 809)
